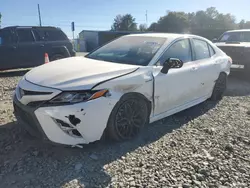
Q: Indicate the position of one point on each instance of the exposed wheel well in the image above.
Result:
(139, 95)
(122, 99)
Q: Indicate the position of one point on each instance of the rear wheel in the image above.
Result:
(56, 57)
(219, 87)
(127, 118)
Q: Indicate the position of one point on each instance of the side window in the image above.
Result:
(201, 49)
(5, 37)
(25, 35)
(180, 49)
(211, 50)
(55, 35)
(38, 37)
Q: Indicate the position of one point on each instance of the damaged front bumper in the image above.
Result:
(74, 124)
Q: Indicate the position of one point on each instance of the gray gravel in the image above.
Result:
(204, 146)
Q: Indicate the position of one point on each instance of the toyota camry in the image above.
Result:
(120, 87)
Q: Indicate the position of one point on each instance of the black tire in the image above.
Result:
(127, 118)
(56, 57)
(219, 87)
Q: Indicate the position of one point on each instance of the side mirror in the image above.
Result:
(215, 40)
(171, 63)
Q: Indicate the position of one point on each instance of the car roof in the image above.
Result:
(165, 35)
(34, 27)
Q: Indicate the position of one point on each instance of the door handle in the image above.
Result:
(14, 47)
(41, 45)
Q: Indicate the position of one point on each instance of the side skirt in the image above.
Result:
(179, 108)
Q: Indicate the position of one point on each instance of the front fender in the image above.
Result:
(141, 81)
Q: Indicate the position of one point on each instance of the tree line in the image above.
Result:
(209, 23)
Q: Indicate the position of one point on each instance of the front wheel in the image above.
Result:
(219, 87)
(127, 118)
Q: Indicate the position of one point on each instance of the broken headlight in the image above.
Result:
(75, 97)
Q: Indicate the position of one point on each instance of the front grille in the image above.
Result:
(36, 104)
(27, 92)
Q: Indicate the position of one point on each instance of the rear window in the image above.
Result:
(50, 34)
(211, 50)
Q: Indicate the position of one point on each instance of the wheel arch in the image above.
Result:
(139, 95)
(59, 50)
(122, 99)
(223, 73)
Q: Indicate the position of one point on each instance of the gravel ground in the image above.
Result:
(204, 146)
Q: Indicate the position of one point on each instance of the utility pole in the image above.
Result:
(73, 29)
(146, 18)
(40, 21)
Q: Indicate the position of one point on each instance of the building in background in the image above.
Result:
(90, 40)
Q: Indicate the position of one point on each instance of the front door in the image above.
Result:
(178, 87)
(8, 50)
(30, 51)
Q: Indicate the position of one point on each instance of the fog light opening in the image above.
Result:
(62, 123)
(68, 129)
(76, 132)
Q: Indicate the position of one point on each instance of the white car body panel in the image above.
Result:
(93, 118)
(168, 93)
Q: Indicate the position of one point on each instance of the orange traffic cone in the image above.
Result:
(46, 58)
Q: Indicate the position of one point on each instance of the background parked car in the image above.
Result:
(236, 44)
(23, 47)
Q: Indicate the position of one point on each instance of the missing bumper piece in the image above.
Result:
(67, 128)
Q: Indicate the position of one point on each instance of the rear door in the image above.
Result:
(30, 49)
(205, 58)
(179, 86)
(56, 42)
(8, 50)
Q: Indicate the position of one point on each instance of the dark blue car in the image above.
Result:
(24, 47)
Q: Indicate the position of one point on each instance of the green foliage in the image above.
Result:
(244, 25)
(143, 27)
(176, 22)
(200, 22)
(124, 23)
(209, 23)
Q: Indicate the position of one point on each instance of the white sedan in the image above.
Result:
(118, 88)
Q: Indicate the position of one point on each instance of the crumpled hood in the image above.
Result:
(76, 73)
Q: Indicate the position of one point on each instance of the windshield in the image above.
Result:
(134, 50)
(235, 37)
